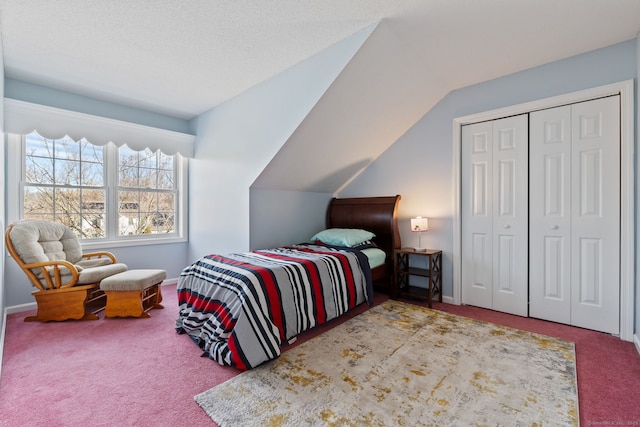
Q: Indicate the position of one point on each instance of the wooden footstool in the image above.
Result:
(133, 293)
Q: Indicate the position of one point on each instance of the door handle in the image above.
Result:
(554, 227)
(507, 226)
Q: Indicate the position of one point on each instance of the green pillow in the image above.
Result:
(343, 236)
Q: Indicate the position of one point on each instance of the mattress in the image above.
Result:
(376, 256)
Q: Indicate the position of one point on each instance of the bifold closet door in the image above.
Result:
(575, 214)
(494, 210)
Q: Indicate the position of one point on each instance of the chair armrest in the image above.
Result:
(100, 254)
(51, 274)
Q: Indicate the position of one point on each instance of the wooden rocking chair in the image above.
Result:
(68, 281)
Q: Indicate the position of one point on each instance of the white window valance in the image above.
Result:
(22, 117)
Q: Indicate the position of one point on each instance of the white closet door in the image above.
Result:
(595, 218)
(575, 214)
(477, 215)
(510, 215)
(494, 215)
(550, 215)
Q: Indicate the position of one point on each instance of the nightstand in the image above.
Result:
(402, 272)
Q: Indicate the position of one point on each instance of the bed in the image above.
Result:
(241, 308)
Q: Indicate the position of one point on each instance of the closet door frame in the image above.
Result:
(627, 185)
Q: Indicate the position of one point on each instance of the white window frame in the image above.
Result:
(15, 197)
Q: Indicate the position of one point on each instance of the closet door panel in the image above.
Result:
(550, 215)
(477, 214)
(510, 214)
(575, 215)
(596, 214)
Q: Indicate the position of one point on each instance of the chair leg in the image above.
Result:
(134, 303)
(59, 306)
(156, 292)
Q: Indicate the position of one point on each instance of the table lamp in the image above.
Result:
(419, 225)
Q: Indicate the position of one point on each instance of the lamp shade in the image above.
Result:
(419, 224)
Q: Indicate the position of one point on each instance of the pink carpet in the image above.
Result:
(139, 372)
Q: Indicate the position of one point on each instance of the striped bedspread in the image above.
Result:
(240, 308)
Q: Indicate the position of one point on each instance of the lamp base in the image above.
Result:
(420, 249)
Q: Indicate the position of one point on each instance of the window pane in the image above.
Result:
(93, 201)
(67, 172)
(72, 221)
(165, 179)
(164, 223)
(148, 178)
(39, 170)
(146, 172)
(126, 152)
(128, 168)
(92, 225)
(67, 148)
(148, 201)
(128, 224)
(90, 152)
(148, 159)
(38, 146)
(128, 176)
(146, 223)
(92, 174)
(41, 217)
(128, 201)
(67, 202)
(38, 201)
(164, 161)
(166, 202)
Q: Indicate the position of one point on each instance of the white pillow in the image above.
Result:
(343, 236)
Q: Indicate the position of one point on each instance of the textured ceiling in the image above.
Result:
(184, 57)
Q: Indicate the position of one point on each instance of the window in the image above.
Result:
(64, 183)
(102, 192)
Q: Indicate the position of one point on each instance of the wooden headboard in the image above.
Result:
(376, 214)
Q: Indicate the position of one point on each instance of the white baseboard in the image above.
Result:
(636, 341)
(447, 299)
(170, 282)
(20, 308)
(2, 332)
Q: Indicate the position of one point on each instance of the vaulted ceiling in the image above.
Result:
(182, 58)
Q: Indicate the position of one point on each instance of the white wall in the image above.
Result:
(419, 165)
(236, 140)
(637, 310)
(43, 95)
(2, 198)
(280, 218)
(376, 99)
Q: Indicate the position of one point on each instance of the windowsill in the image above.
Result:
(129, 242)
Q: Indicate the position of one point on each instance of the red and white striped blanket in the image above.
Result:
(240, 308)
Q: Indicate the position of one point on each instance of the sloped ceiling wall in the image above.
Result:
(236, 140)
(379, 95)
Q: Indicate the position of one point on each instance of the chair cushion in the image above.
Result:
(39, 241)
(87, 275)
(93, 262)
(133, 280)
(96, 274)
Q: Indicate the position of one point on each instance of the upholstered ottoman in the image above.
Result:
(133, 293)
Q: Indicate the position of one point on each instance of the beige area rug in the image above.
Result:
(402, 365)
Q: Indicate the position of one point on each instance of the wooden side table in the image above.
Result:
(402, 272)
